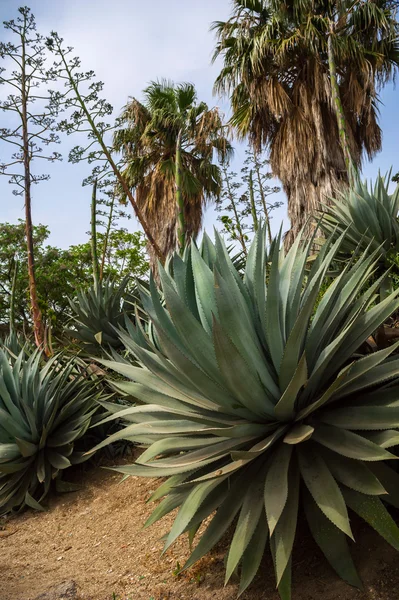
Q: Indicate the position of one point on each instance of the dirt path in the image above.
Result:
(95, 537)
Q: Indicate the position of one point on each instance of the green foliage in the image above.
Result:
(256, 404)
(44, 410)
(60, 273)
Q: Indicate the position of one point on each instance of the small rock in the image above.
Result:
(67, 590)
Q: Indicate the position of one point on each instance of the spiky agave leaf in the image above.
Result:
(254, 403)
(368, 215)
(44, 410)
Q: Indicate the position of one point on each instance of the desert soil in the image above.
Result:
(95, 537)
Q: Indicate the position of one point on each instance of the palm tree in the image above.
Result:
(168, 145)
(303, 78)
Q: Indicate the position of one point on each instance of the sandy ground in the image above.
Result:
(95, 537)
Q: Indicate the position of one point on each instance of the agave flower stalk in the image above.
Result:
(254, 403)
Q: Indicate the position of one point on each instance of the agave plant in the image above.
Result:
(368, 216)
(14, 343)
(98, 312)
(258, 404)
(44, 411)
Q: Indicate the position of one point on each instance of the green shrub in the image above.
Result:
(44, 411)
(255, 405)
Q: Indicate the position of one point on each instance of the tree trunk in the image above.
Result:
(12, 297)
(339, 111)
(107, 232)
(93, 241)
(181, 229)
(38, 327)
(252, 201)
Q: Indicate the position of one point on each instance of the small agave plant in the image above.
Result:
(44, 411)
(257, 407)
(97, 313)
(369, 217)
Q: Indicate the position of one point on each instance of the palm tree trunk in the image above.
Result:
(181, 229)
(252, 201)
(339, 111)
(93, 241)
(12, 297)
(38, 327)
(235, 211)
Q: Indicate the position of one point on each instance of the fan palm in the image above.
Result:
(168, 144)
(303, 78)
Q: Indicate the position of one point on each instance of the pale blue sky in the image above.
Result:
(128, 43)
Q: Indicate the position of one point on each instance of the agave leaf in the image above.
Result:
(285, 407)
(298, 434)
(261, 446)
(385, 439)
(172, 444)
(276, 485)
(284, 532)
(349, 444)
(332, 542)
(372, 510)
(189, 509)
(323, 488)
(390, 480)
(58, 461)
(220, 522)
(235, 319)
(248, 522)
(32, 503)
(26, 448)
(363, 366)
(8, 452)
(238, 377)
(324, 398)
(284, 587)
(353, 473)
(362, 417)
(253, 554)
(168, 504)
(204, 288)
(167, 486)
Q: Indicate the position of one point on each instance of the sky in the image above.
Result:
(129, 43)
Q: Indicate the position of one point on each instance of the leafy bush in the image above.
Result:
(44, 411)
(257, 404)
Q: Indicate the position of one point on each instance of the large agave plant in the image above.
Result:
(368, 216)
(98, 312)
(258, 404)
(44, 410)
